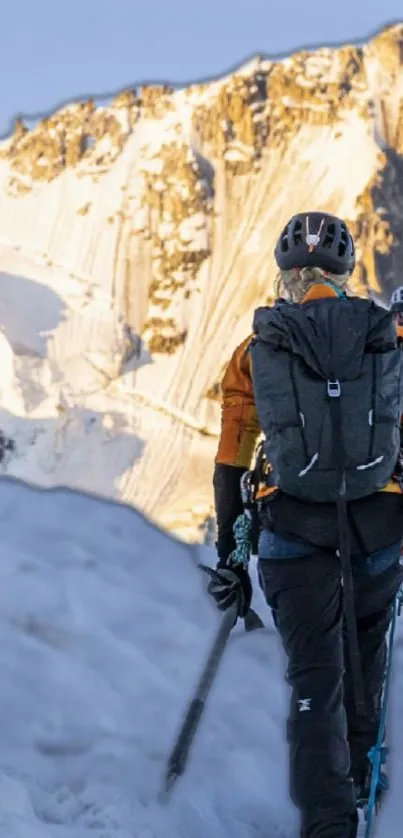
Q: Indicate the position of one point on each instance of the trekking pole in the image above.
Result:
(377, 755)
(179, 755)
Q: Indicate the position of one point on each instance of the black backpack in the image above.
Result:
(328, 385)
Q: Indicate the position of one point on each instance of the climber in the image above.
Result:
(396, 307)
(309, 379)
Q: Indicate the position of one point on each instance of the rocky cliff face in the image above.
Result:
(166, 205)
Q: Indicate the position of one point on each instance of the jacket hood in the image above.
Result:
(328, 333)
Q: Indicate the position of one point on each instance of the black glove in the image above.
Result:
(230, 583)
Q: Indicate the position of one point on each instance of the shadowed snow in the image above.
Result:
(104, 629)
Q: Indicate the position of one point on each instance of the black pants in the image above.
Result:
(305, 594)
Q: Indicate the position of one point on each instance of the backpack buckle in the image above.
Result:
(333, 389)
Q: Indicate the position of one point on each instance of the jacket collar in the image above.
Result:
(319, 291)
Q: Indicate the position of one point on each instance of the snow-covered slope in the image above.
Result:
(137, 238)
(104, 628)
(73, 412)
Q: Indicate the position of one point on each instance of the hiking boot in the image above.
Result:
(363, 795)
(363, 790)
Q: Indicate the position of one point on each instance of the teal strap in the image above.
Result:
(331, 284)
(243, 540)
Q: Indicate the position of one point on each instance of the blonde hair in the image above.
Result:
(294, 284)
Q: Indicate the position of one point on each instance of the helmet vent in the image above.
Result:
(330, 235)
(284, 241)
(343, 244)
(297, 233)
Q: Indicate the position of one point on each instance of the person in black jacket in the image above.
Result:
(299, 568)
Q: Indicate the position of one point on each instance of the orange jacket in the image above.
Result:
(240, 427)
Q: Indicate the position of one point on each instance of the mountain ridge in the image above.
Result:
(153, 220)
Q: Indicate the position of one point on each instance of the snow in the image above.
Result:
(238, 151)
(78, 413)
(193, 232)
(153, 166)
(105, 627)
(289, 102)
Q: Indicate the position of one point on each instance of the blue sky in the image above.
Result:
(55, 50)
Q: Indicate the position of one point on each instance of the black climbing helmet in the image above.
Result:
(316, 240)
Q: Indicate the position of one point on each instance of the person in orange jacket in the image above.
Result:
(298, 564)
(396, 307)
